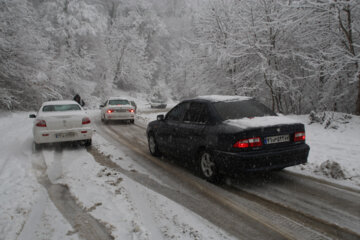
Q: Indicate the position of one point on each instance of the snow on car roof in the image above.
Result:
(223, 98)
(117, 98)
(265, 121)
(58, 102)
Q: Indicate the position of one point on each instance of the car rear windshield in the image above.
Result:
(119, 102)
(61, 108)
(154, 100)
(242, 109)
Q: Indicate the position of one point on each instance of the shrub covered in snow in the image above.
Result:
(329, 119)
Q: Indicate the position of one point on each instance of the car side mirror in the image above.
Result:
(32, 116)
(101, 106)
(160, 117)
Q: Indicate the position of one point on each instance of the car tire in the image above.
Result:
(153, 147)
(278, 169)
(132, 121)
(207, 167)
(88, 143)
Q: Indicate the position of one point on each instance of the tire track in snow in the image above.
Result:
(290, 229)
(82, 222)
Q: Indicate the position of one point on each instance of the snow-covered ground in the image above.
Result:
(26, 210)
(334, 148)
(128, 209)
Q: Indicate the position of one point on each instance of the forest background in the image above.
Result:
(294, 55)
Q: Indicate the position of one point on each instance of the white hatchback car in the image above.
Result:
(117, 108)
(61, 121)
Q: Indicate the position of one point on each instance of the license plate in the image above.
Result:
(64, 135)
(277, 139)
(121, 110)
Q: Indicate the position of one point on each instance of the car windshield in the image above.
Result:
(119, 102)
(242, 109)
(61, 108)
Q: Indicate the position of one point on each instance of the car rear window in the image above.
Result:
(158, 100)
(119, 102)
(242, 109)
(61, 108)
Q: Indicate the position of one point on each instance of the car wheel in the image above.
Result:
(153, 147)
(132, 121)
(105, 120)
(207, 167)
(278, 169)
(88, 142)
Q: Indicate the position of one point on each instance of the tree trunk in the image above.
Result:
(269, 84)
(357, 111)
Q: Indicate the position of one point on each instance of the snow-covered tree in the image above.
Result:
(295, 54)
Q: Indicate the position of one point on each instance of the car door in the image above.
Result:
(193, 129)
(169, 128)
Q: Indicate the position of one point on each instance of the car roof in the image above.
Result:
(118, 98)
(58, 102)
(220, 98)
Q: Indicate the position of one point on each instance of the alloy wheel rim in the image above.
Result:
(207, 165)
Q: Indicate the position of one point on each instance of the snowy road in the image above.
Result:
(117, 190)
(282, 205)
(82, 222)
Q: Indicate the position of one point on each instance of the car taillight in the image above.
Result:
(40, 123)
(249, 142)
(131, 110)
(299, 136)
(86, 120)
(110, 111)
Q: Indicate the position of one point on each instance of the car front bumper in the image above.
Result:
(68, 135)
(233, 163)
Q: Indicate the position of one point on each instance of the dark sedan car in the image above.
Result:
(228, 135)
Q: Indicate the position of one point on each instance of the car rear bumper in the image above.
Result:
(233, 163)
(52, 136)
(119, 116)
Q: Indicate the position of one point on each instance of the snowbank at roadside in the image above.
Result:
(334, 140)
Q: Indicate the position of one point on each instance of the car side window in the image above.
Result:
(177, 113)
(197, 113)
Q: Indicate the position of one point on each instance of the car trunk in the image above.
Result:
(120, 108)
(272, 137)
(64, 121)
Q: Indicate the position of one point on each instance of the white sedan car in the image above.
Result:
(116, 108)
(61, 121)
